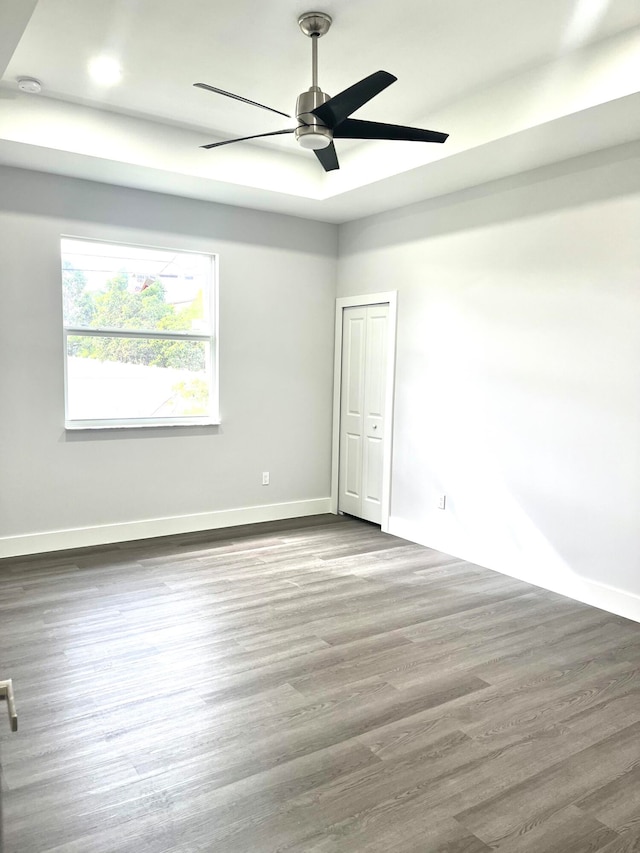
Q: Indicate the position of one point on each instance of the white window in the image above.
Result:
(139, 333)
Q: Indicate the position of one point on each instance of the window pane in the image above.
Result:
(112, 286)
(110, 378)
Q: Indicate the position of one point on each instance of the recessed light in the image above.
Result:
(105, 71)
(30, 85)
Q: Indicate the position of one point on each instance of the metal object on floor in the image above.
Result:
(6, 692)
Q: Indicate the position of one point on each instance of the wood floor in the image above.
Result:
(310, 687)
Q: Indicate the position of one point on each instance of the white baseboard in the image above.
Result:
(106, 534)
(597, 594)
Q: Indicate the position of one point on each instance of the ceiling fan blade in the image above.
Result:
(352, 128)
(328, 157)
(341, 106)
(239, 98)
(244, 138)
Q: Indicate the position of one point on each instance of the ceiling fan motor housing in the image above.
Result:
(313, 133)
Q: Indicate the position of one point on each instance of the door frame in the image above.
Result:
(342, 302)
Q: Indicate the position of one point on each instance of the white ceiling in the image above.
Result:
(517, 83)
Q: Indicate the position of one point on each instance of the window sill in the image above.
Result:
(84, 427)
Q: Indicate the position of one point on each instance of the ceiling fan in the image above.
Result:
(322, 119)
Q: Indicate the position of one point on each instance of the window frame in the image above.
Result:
(210, 338)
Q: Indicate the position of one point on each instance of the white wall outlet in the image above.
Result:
(442, 502)
(265, 478)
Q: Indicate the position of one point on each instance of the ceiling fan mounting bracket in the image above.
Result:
(315, 23)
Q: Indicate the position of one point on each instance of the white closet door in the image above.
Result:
(352, 409)
(362, 415)
(375, 374)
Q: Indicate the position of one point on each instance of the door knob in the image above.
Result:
(6, 692)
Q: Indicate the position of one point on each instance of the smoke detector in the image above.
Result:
(29, 85)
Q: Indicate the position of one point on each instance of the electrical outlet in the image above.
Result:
(442, 502)
(265, 478)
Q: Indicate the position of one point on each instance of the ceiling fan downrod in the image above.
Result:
(313, 132)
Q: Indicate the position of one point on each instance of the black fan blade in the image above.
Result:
(341, 106)
(239, 98)
(352, 128)
(244, 138)
(328, 157)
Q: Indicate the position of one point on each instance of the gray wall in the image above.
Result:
(277, 292)
(518, 369)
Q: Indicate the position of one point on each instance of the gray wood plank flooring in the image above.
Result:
(310, 686)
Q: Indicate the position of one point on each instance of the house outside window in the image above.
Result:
(140, 335)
